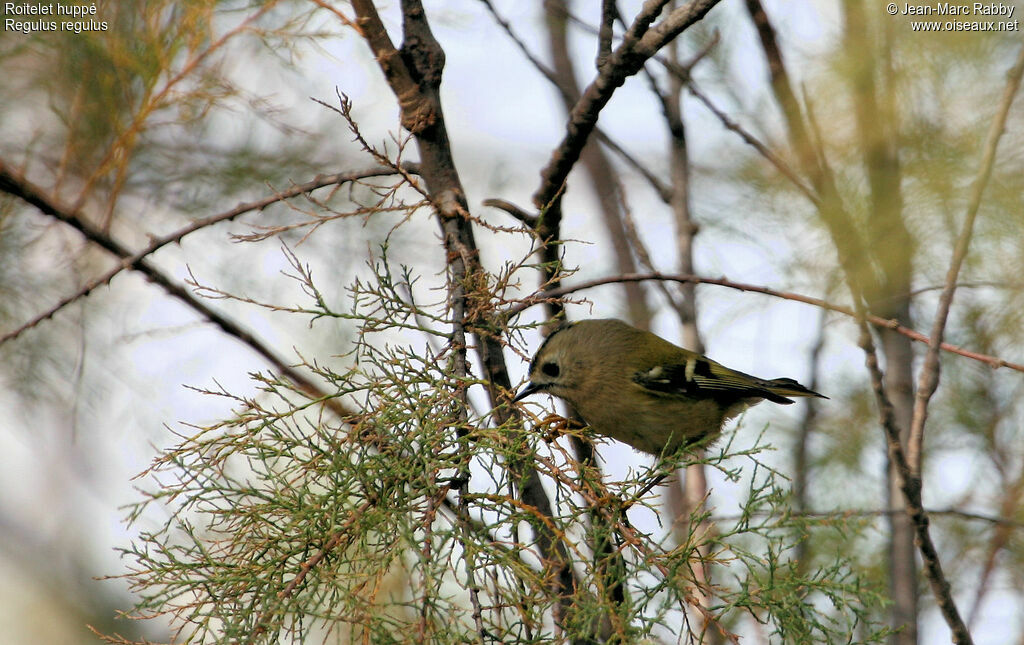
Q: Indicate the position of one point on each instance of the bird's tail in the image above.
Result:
(780, 388)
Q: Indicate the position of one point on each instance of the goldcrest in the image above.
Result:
(633, 386)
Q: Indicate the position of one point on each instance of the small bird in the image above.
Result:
(633, 386)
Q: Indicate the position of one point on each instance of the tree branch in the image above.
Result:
(657, 184)
(910, 486)
(414, 75)
(877, 321)
(928, 381)
(756, 144)
(638, 44)
(15, 184)
(604, 40)
(12, 179)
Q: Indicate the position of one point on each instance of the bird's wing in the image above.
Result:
(700, 377)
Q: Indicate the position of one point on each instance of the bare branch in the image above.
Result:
(1011, 501)
(604, 41)
(657, 184)
(10, 177)
(607, 187)
(756, 144)
(911, 489)
(991, 361)
(515, 211)
(808, 422)
(1006, 521)
(781, 85)
(414, 75)
(637, 46)
(928, 381)
(15, 184)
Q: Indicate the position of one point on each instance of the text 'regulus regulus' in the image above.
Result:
(633, 386)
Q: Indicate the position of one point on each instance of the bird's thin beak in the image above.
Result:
(531, 388)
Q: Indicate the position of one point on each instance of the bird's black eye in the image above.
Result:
(550, 369)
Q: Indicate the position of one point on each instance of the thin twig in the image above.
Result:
(115, 152)
(638, 44)
(330, 544)
(877, 321)
(782, 88)
(928, 381)
(680, 71)
(996, 520)
(15, 184)
(604, 39)
(755, 143)
(1000, 539)
(808, 145)
(801, 464)
(515, 211)
(910, 486)
(9, 177)
(414, 75)
(657, 184)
